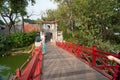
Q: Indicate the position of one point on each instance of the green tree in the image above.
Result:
(90, 21)
(2, 23)
(10, 11)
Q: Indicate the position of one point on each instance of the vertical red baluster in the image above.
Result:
(117, 72)
(18, 73)
(38, 65)
(94, 55)
(78, 51)
(71, 47)
(119, 67)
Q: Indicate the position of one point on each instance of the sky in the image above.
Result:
(39, 8)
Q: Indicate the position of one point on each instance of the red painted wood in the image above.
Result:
(95, 58)
(33, 69)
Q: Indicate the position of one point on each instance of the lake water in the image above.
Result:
(9, 64)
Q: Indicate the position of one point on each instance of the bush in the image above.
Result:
(3, 46)
(67, 36)
(21, 39)
(89, 38)
(104, 45)
(15, 40)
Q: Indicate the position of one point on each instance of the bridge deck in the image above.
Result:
(60, 65)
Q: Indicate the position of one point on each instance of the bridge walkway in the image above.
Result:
(58, 64)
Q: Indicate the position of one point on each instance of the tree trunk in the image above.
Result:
(14, 29)
(22, 24)
(9, 28)
(12, 24)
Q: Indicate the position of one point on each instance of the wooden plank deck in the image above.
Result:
(60, 65)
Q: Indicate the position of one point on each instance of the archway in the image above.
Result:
(50, 30)
(48, 36)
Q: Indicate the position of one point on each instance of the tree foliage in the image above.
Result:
(2, 23)
(10, 10)
(89, 21)
(17, 40)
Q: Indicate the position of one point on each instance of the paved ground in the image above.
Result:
(60, 65)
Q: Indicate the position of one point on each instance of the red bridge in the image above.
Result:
(67, 61)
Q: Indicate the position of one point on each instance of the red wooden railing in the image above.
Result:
(95, 58)
(32, 71)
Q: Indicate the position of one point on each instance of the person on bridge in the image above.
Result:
(37, 44)
(118, 61)
(49, 35)
(43, 43)
(114, 58)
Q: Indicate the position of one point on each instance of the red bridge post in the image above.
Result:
(117, 72)
(18, 72)
(94, 55)
(32, 71)
(78, 51)
(71, 46)
(37, 70)
(119, 67)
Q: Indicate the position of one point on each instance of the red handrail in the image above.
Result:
(33, 69)
(93, 57)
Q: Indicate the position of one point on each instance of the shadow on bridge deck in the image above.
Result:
(60, 65)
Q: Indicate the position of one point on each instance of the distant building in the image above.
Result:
(3, 29)
(31, 27)
(28, 27)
